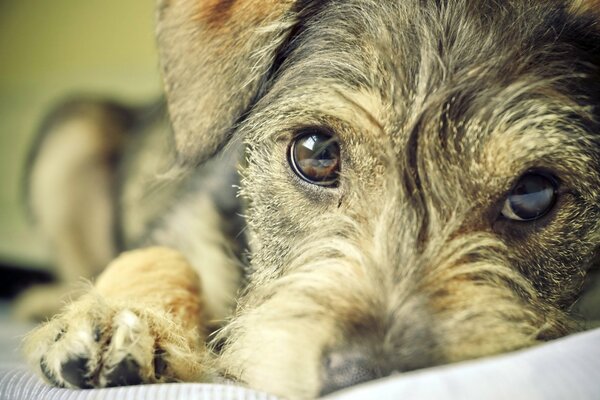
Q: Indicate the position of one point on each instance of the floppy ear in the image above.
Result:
(213, 55)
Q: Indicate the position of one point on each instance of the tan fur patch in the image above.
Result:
(225, 15)
(155, 275)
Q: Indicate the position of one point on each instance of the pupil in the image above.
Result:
(324, 155)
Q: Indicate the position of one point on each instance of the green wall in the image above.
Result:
(48, 50)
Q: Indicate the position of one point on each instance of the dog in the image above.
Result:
(352, 188)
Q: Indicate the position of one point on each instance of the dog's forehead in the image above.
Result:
(419, 55)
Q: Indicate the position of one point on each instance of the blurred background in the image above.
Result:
(48, 51)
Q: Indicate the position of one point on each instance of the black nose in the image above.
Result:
(343, 369)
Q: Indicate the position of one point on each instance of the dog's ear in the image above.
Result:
(214, 54)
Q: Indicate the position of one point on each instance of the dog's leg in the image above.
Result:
(142, 323)
(71, 180)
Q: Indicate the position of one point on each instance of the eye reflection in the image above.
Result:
(315, 157)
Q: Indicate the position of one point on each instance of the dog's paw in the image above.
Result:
(98, 344)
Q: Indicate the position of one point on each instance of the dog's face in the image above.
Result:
(422, 181)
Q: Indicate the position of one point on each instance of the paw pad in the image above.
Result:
(126, 373)
(75, 371)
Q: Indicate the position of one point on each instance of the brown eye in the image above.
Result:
(532, 197)
(314, 156)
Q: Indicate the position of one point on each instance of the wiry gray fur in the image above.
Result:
(439, 108)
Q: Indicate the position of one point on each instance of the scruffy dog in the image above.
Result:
(418, 184)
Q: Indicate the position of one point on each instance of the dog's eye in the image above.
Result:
(532, 197)
(314, 155)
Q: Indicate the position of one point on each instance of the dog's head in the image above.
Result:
(422, 177)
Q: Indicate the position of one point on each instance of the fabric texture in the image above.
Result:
(20, 384)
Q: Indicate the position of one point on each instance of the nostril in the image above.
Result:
(344, 369)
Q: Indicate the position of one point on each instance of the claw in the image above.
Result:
(160, 365)
(48, 374)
